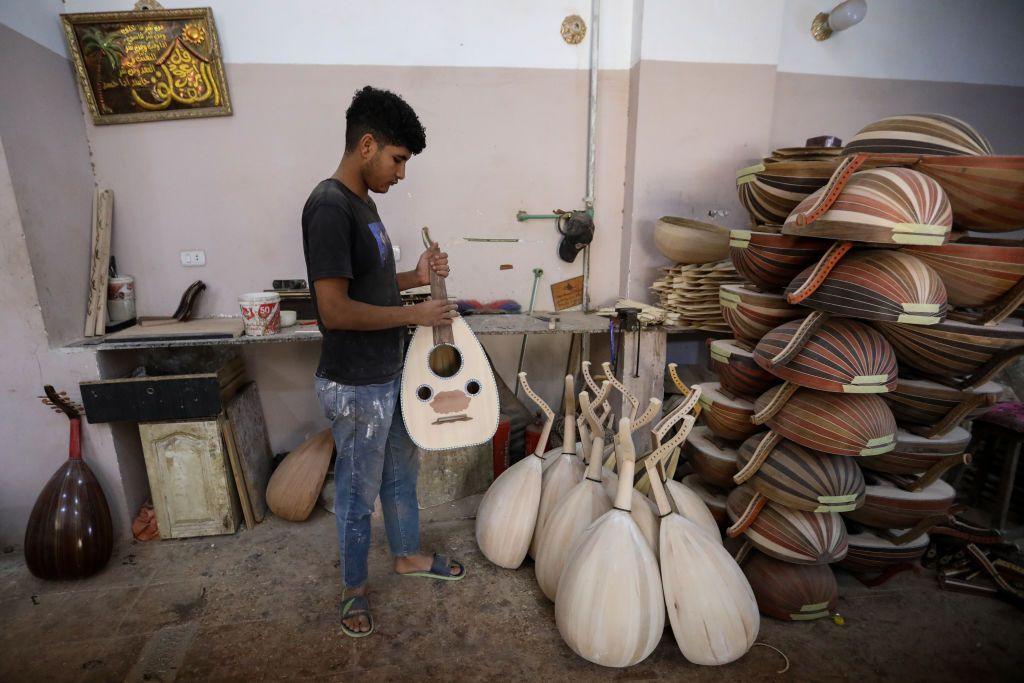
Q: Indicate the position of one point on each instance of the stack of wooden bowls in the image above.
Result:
(872, 328)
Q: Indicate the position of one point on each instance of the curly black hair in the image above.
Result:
(387, 117)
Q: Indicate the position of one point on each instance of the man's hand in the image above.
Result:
(433, 259)
(434, 312)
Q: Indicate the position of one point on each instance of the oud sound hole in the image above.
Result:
(445, 360)
(472, 387)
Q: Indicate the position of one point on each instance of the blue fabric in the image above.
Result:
(375, 457)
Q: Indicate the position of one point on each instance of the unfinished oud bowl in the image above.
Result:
(790, 535)
(915, 454)
(802, 479)
(711, 456)
(751, 314)
(712, 496)
(871, 552)
(726, 414)
(733, 361)
(956, 353)
(770, 192)
(886, 506)
(854, 424)
(928, 404)
(842, 355)
(770, 260)
(882, 206)
(791, 592)
(932, 134)
(975, 274)
(878, 284)
(688, 241)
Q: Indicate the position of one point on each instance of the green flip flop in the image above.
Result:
(354, 607)
(441, 570)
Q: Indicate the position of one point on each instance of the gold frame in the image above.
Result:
(68, 23)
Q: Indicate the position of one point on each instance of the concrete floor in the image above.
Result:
(263, 605)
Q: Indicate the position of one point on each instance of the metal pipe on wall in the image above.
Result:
(588, 199)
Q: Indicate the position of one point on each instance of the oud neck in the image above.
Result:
(438, 292)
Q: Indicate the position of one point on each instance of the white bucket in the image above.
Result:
(261, 313)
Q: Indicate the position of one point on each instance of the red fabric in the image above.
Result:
(499, 445)
(1007, 415)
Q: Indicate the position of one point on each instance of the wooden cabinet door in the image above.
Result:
(189, 479)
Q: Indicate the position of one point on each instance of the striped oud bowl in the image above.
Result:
(712, 496)
(878, 284)
(803, 479)
(733, 361)
(956, 353)
(975, 275)
(751, 314)
(790, 535)
(916, 454)
(713, 458)
(770, 260)
(886, 506)
(842, 355)
(937, 408)
(726, 414)
(842, 424)
(932, 134)
(769, 192)
(791, 592)
(876, 206)
(870, 552)
(682, 240)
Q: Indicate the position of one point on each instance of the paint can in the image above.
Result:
(261, 313)
(120, 299)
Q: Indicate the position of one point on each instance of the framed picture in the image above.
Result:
(148, 65)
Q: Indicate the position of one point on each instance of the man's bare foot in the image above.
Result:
(420, 563)
(360, 623)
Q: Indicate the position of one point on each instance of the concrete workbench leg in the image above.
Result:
(646, 381)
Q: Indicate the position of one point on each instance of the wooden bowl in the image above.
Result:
(713, 497)
(842, 355)
(878, 284)
(886, 506)
(802, 479)
(791, 592)
(790, 535)
(771, 260)
(956, 353)
(975, 274)
(854, 424)
(751, 314)
(725, 413)
(770, 192)
(688, 241)
(932, 134)
(986, 192)
(733, 360)
(712, 457)
(937, 408)
(915, 454)
(882, 206)
(870, 552)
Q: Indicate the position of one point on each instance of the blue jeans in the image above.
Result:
(375, 456)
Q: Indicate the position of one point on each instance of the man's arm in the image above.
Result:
(410, 279)
(431, 259)
(339, 312)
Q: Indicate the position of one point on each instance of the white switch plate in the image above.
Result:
(193, 258)
(398, 252)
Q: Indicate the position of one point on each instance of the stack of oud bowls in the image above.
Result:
(883, 327)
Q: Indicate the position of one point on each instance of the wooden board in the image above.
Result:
(252, 444)
(203, 328)
(567, 293)
(105, 225)
(227, 434)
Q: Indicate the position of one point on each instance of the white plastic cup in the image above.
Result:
(120, 299)
(261, 313)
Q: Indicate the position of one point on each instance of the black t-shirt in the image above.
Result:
(343, 236)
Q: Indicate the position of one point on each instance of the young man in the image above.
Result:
(351, 266)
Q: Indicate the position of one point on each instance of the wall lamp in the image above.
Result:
(843, 16)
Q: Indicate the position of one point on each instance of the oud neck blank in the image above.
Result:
(438, 292)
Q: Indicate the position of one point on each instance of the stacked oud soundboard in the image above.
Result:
(865, 340)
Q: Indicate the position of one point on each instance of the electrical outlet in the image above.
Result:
(193, 258)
